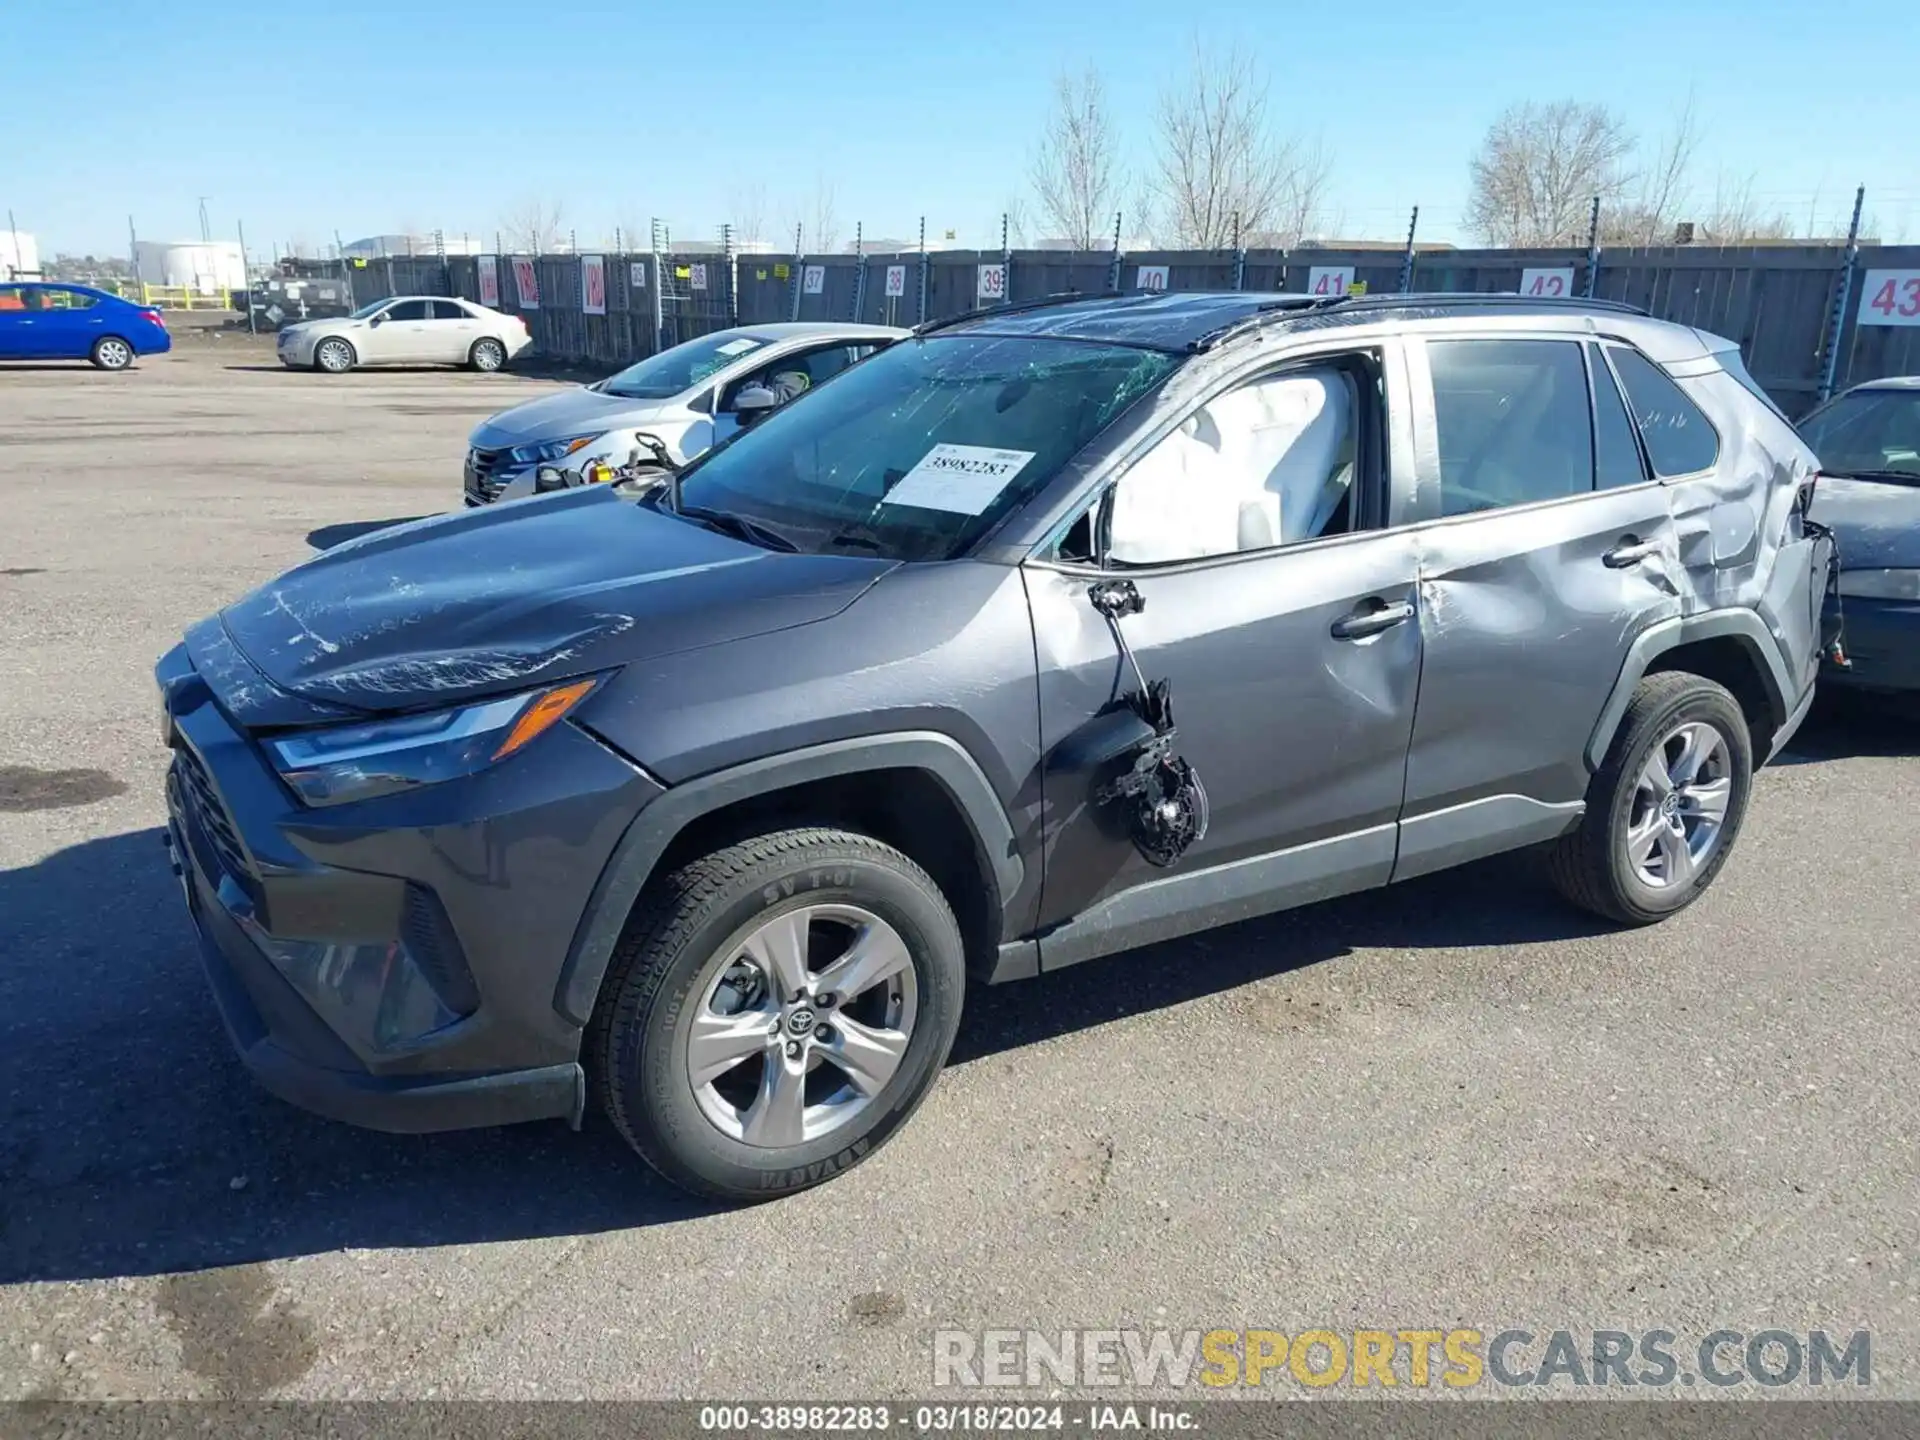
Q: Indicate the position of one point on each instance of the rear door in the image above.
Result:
(70, 322)
(451, 331)
(1546, 547)
(16, 324)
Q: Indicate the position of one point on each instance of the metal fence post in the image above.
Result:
(1006, 259)
(1239, 255)
(923, 270)
(860, 273)
(1593, 247)
(1113, 265)
(1842, 294)
(1406, 260)
(659, 294)
(733, 274)
(799, 268)
(240, 228)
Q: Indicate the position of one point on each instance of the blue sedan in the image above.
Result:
(76, 322)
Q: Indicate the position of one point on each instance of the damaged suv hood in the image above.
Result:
(520, 594)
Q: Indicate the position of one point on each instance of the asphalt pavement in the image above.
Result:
(1453, 1103)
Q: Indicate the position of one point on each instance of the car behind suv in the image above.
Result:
(1046, 633)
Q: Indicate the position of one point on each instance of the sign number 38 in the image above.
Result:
(1890, 297)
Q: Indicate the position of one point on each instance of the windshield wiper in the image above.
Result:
(737, 526)
(857, 540)
(1891, 477)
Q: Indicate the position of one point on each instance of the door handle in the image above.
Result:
(1629, 552)
(1370, 617)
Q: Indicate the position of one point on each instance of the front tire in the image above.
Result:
(333, 356)
(110, 352)
(776, 1010)
(487, 356)
(1664, 809)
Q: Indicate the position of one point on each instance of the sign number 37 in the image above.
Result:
(1890, 297)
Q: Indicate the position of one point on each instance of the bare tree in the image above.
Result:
(747, 208)
(532, 228)
(1074, 167)
(1538, 169)
(1736, 217)
(1219, 166)
(816, 220)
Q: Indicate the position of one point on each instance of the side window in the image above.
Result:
(1513, 421)
(1270, 463)
(449, 310)
(1680, 439)
(407, 310)
(53, 299)
(795, 374)
(1616, 453)
(11, 298)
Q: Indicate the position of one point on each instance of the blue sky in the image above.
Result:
(300, 120)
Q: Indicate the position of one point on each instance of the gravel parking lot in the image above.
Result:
(1456, 1102)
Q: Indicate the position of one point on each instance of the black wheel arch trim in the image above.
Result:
(654, 828)
(1656, 640)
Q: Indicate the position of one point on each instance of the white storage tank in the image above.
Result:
(18, 254)
(203, 266)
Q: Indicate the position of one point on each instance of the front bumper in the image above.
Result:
(1882, 644)
(392, 962)
(492, 476)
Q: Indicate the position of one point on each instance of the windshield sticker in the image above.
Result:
(961, 479)
(738, 347)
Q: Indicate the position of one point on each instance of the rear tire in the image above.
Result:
(1664, 809)
(699, 960)
(334, 356)
(110, 352)
(487, 356)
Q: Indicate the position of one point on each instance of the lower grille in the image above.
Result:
(483, 486)
(202, 804)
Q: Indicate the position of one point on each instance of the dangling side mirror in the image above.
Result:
(754, 403)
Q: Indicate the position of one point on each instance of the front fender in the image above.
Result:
(647, 838)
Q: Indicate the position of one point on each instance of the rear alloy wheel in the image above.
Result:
(110, 352)
(335, 357)
(1664, 808)
(776, 1010)
(487, 356)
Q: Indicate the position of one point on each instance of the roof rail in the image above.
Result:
(1061, 297)
(1492, 300)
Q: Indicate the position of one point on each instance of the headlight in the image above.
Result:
(339, 763)
(1881, 584)
(551, 450)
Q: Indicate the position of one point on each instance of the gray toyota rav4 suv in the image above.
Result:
(1045, 633)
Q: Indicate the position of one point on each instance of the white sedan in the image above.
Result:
(406, 330)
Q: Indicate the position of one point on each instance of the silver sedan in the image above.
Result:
(406, 330)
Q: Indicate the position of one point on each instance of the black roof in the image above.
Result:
(1198, 320)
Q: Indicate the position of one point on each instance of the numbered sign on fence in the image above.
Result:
(990, 283)
(1551, 283)
(637, 274)
(593, 284)
(1329, 279)
(697, 275)
(1890, 297)
(489, 272)
(813, 280)
(1151, 277)
(526, 283)
(896, 280)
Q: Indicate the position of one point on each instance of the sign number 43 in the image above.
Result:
(1890, 297)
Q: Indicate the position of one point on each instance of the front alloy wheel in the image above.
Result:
(775, 1010)
(802, 1026)
(334, 356)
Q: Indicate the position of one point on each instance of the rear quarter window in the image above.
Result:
(1679, 438)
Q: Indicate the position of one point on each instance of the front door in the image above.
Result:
(1283, 616)
(403, 336)
(1546, 548)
